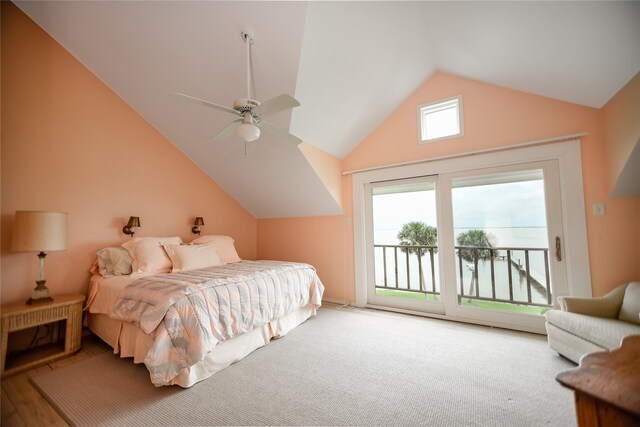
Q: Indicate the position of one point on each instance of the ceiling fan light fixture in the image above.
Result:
(251, 111)
(248, 132)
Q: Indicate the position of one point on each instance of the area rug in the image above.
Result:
(343, 367)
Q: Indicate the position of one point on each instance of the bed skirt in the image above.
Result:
(130, 341)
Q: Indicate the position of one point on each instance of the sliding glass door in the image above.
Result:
(480, 245)
(507, 236)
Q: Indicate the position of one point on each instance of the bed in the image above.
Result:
(186, 325)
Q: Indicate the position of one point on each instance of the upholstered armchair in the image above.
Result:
(585, 325)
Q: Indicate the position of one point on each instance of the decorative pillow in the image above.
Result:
(192, 257)
(630, 310)
(114, 262)
(148, 254)
(224, 246)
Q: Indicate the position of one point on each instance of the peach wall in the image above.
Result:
(320, 241)
(326, 242)
(70, 144)
(622, 127)
(493, 116)
(327, 167)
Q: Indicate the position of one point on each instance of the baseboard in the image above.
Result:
(335, 301)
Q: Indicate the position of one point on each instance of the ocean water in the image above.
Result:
(522, 237)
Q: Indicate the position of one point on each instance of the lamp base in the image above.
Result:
(37, 301)
(40, 295)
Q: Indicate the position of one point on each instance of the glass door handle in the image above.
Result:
(558, 249)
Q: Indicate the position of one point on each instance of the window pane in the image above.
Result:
(441, 123)
(440, 119)
(501, 250)
(405, 240)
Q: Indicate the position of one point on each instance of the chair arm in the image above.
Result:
(607, 306)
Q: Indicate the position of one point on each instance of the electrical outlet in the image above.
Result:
(598, 209)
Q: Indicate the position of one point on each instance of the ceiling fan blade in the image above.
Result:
(208, 104)
(228, 131)
(278, 132)
(278, 103)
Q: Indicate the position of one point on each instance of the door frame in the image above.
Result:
(571, 195)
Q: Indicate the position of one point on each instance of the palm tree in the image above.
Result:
(477, 247)
(417, 233)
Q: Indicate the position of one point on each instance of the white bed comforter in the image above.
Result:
(188, 313)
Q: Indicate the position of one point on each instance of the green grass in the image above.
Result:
(489, 305)
(405, 294)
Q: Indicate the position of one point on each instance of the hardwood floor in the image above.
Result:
(23, 405)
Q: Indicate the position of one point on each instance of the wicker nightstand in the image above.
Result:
(22, 316)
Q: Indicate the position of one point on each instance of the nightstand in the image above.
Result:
(20, 316)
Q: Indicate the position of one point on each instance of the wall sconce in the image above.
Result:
(197, 224)
(133, 222)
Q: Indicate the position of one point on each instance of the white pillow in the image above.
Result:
(148, 254)
(114, 262)
(224, 246)
(192, 257)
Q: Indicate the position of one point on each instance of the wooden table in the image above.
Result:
(20, 316)
(607, 386)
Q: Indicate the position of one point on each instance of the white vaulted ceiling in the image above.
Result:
(350, 64)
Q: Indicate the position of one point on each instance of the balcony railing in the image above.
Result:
(537, 285)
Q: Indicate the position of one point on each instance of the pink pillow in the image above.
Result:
(224, 247)
(148, 254)
(192, 257)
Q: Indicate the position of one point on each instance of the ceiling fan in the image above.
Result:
(248, 126)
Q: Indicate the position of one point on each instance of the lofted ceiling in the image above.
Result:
(350, 64)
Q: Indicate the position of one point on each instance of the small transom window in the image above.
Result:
(440, 120)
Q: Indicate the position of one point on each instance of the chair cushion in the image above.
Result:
(630, 310)
(606, 333)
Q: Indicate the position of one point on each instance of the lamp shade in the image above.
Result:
(39, 232)
(199, 221)
(134, 221)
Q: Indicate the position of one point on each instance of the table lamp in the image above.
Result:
(39, 232)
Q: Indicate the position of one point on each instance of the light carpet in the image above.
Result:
(343, 367)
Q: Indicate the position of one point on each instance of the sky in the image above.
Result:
(518, 204)
(500, 205)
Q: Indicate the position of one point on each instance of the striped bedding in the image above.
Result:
(188, 313)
